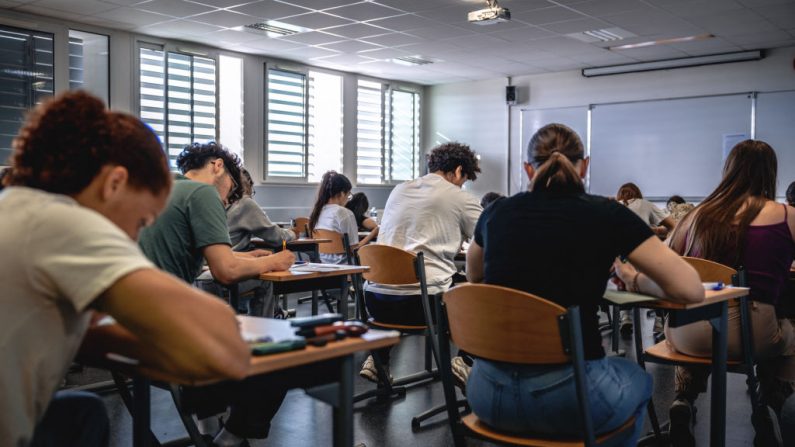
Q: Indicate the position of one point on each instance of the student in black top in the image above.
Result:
(543, 242)
(358, 204)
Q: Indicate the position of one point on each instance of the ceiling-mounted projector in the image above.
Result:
(493, 14)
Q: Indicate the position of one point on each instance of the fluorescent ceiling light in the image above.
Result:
(601, 35)
(411, 60)
(673, 63)
(662, 42)
(273, 28)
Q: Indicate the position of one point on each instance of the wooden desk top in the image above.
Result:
(281, 329)
(711, 297)
(299, 275)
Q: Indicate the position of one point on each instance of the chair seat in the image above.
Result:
(395, 327)
(664, 350)
(474, 424)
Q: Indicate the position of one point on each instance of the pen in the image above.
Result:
(718, 286)
(284, 244)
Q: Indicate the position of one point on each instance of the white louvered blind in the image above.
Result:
(26, 78)
(369, 132)
(286, 124)
(404, 135)
(178, 98)
(325, 124)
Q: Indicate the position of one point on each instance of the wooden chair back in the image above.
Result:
(505, 325)
(710, 271)
(300, 225)
(388, 265)
(335, 247)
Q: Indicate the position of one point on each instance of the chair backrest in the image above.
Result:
(388, 265)
(335, 247)
(710, 271)
(300, 224)
(506, 325)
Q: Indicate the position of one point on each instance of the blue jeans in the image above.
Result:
(543, 399)
(73, 418)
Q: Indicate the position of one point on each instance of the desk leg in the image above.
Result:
(343, 412)
(141, 408)
(342, 301)
(719, 357)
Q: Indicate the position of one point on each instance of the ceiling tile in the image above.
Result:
(559, 64)
(418, 5)
(271, 44)
(126, 2)
(441, 32)
(760, 38)
(174, 8)
(269, 9)
(134, 17)
(547, 15)
(392, 39)
(351, 46)
(576, 26)
(598, 8)
(304, 53)
(403, 22)
(700, 8)
(315, 20)
(226, 19)
(320, 4)
(344, 59)
(523, 34)
(221, 3)
(710, 46)
(525, 5)
(653, 53)
(86, 7)
(233, 37)
(387, 53)
(436, 49)
(364, 11)
(649, 21)
(564, 46)
(179, 28)
(779, 15)
(357, 30)
(313, 38)
(477, 42)
(56, 13)
(602, 58)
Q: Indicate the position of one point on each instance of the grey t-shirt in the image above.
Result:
(58, 257)
(246, 220)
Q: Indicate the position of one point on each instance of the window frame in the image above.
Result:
(387, 87)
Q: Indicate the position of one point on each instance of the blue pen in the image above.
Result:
(718, 286)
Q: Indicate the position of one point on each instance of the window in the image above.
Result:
(304, 124)
(178, 98)
(88, 63)
(230, 101)
(26, 78)
(286, 124)
(325, 124)
(388, 133)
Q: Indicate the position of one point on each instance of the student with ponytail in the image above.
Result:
(329, 213)
(542, 242)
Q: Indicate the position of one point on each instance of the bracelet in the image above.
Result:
(634, 286)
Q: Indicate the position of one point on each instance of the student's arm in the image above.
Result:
(227, 268)
(369, 223)
(471, 212)
(366, 240)
(171, 327)
(660, 272)
(475, 263)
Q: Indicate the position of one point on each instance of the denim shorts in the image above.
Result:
(543, 400)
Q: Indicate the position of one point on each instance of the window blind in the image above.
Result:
(404, 136)
(286, 124)
(369, 132)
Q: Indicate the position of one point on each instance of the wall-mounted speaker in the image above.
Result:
(510, 95)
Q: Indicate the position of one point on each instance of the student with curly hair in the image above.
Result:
(83, 182)
(433, 215)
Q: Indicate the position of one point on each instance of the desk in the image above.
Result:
(714, 308)
(302, 245)
(293, 282)
(339, 395)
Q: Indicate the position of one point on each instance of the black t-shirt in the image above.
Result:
(559, 247)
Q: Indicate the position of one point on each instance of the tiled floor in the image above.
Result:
(303, 421)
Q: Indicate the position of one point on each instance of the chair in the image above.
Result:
(393, 266)
(664, 353)
(299, 225)
(339, 245)
(506, 325)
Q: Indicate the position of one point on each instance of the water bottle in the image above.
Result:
(374, 214)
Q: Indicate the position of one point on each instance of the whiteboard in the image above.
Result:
(666, 147)
(775, 125)
(531, 121)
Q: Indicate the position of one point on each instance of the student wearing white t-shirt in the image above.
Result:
(83, 182)
(329, 213)
(433, 215)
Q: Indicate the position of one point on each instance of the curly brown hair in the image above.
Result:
(197, 155)
(68, 139)
(449, 156)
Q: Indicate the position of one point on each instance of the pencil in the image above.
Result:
(284, 244)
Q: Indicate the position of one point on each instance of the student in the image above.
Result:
(740, 224)
(358, 204)
(629, 194)
(563, 264)
(330, 214)
(246, 219)
(488, 198)
(791, 194)
(431, 214)
(84, 181)
(678, 208)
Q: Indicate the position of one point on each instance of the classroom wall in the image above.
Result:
(478, 102)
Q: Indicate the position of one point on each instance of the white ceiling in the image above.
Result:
(363, 36)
